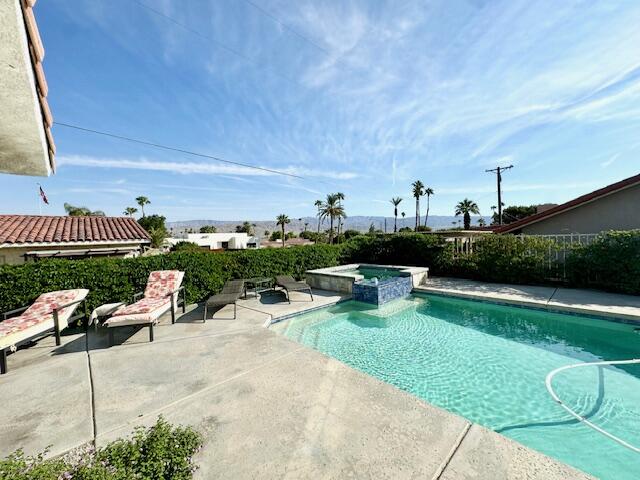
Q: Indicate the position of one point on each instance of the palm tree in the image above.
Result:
(142, 201)
(282, 220)
(466, 208)
(403, 215)
(428, 192)
(395, 201)
(418, 191)
(482, 222)
(130, 211)
(332, 209)
(318, 205)
(340, 197)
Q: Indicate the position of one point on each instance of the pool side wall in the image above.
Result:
(383, 292)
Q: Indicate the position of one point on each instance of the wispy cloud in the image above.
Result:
(610, 161)
(189, 168)
(398, 91)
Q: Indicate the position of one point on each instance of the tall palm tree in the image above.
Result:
(466, 207)
(428, 191)
(403, 215)
(332, 209)
(130, 211)
(142, 201)
(395, 201)
(418, 191)
(282, 220)
(340, 197)
(318, 205)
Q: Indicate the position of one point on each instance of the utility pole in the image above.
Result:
(498, 171)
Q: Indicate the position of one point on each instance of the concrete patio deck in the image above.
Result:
(587, 302)
(268, 407)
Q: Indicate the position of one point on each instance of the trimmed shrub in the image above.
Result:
(406, 249)
(185, 246)
(611, 262)
(503, 258)
(117, 279)
(159, 452)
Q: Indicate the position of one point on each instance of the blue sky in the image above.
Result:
(376, 95)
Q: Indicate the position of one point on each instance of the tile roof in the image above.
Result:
(36, 52)
(28, 229)
(576, 202)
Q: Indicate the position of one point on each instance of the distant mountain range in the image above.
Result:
(360, 223)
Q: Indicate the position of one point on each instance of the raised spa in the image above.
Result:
(343, 278)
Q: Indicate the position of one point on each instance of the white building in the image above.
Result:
(220, 241)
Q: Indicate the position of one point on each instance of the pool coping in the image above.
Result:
(541, 305)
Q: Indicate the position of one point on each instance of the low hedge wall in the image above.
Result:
(610, 263)
(404, 249)
(505, 259)
(115, 279)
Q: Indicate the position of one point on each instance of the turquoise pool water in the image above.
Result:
(488, 363)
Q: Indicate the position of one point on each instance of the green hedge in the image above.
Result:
(503, 258)
(611, 262)
(404, 249)
(113, 279)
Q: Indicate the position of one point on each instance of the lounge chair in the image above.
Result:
(51, 312)
(289, 284)
(161, 296)
(231, 292)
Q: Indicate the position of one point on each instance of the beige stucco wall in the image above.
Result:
(15, 256)
(618, 211)
(23, 145)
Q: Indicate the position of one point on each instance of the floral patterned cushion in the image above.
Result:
(42, 310)
(144, 305)
(161, 283)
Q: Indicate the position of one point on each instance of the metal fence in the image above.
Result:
(564, 243)
(559, 249)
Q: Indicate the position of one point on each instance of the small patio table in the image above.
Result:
(257, 285)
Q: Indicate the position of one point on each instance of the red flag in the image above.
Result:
(43, 196)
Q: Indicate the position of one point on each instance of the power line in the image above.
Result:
(287, 27)
(220, 44)
(176, 149)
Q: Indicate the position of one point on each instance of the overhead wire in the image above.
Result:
(177, 149)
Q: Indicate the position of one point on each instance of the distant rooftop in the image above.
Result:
(16, 230)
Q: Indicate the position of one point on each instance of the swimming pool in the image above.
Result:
(488, 363)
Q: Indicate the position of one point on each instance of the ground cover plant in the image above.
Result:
(160, 452)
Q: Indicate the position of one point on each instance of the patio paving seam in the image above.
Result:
(198, 393)
(454, 450)
(92, 395)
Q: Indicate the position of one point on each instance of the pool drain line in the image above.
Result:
(580, 417)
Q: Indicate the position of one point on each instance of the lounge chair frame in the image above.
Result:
(292, 286)
(230, 294)
(55, 329)
(137, 296)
